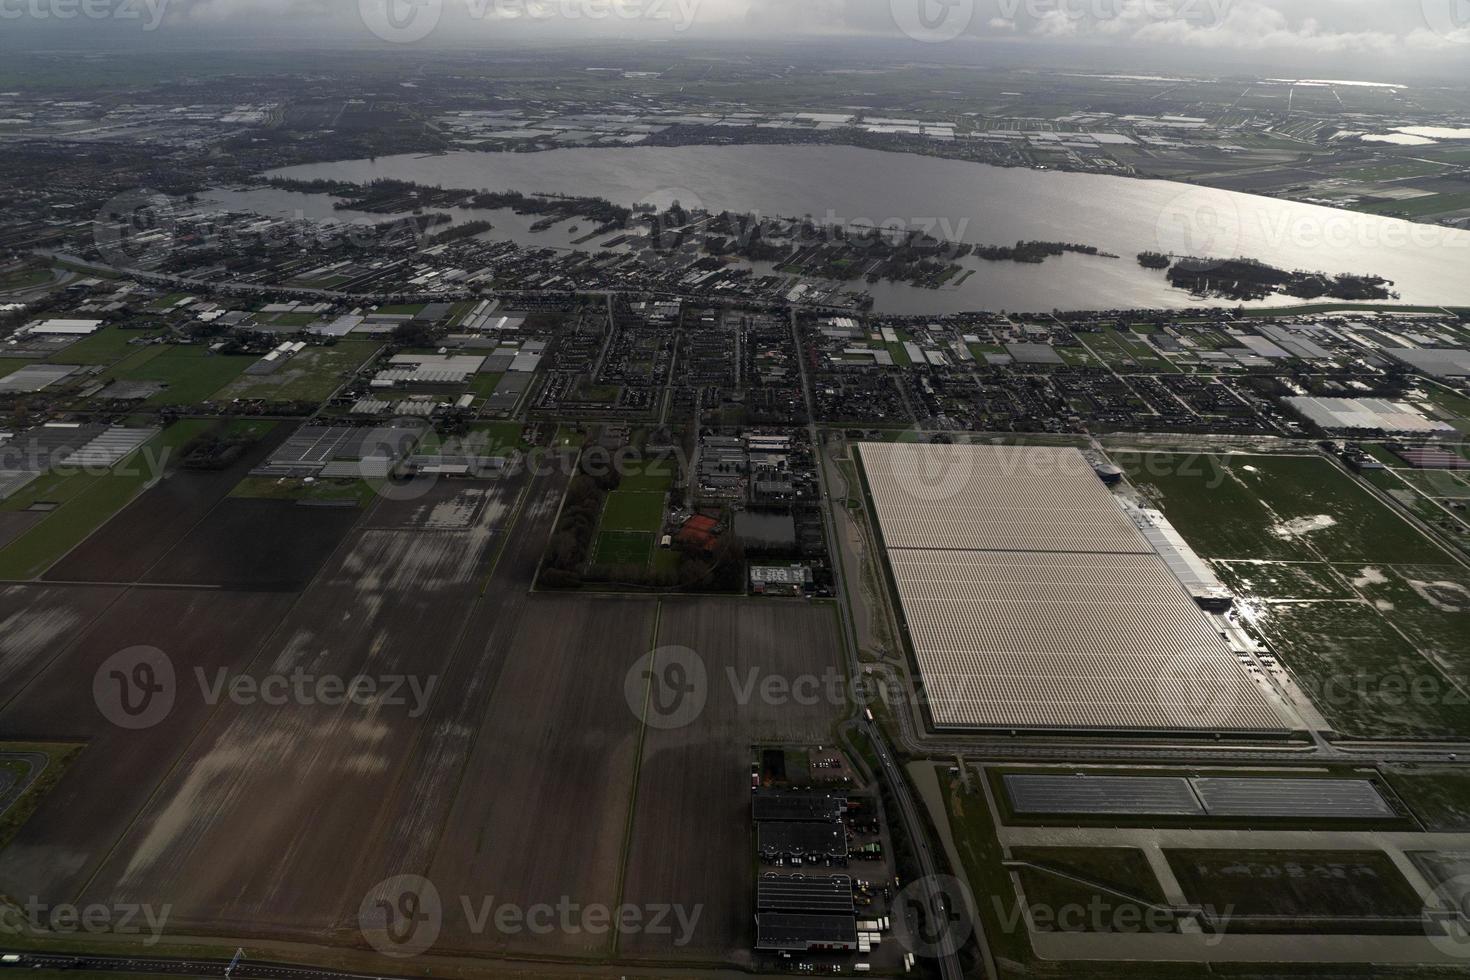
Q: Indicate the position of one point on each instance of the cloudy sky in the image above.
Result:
(1364, 37)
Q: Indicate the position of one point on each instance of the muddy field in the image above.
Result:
(36, 623)
(77, 824)
(127, 546)
(272, 545)
(692, 839)
(543, 806)
(265, 821)
(506, 767)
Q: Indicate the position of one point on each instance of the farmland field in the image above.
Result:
(1274, 891)
(190, 375)
(707, 861)
(124, 548)
(1370, 615)
(310, 376)
(276, 820)
(85, 501)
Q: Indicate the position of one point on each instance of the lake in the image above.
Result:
(959, 201)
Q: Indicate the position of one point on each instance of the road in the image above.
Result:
(913, 825)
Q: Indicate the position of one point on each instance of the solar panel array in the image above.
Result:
(1252, 797)
(1214, 796)
(1032, 601)
(1140, 795)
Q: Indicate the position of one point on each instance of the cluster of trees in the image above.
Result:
(1247, 279)
(565, 564)
(697, 570)
(576, 530)
(1033, 252)
(213, 451)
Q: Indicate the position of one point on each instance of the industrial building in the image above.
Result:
(1032, 601)
(792, 840)
(790, 933)
(787, 805)
(809, 894)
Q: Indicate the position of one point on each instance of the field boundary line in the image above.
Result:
(658, 612)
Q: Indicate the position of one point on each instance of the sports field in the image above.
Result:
(623, 548)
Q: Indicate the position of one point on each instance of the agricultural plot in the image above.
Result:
(78, 824)
(190, 375)
(1113, 878)
(105, 346)
(247, 543)
(1438, 795)
(704, 857)
(1369, 614)
(463, 791)
(76, 502)
(544, 808)
(36, 622)
(245, 847)
(124, 548)
(310, 376)
(1351, 892)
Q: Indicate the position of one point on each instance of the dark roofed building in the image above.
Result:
(804, 840)
(771, 804)
(780, 931)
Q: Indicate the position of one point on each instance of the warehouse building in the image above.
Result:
(766, 804)
(791, 933)
(806, 894)
(1031, 601)
(789, 840)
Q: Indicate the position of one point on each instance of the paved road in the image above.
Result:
(914, 826)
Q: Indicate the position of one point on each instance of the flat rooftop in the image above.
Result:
(819, 894)
(1032, 601)
(994, 498)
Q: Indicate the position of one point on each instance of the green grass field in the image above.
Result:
(106, 346)
(1370, 615)
(632, 510)
(190, 374)
(311, 376)
(87, 501)
(1260, 507)
(623, 548)
(647, 476)
(1314, 888)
